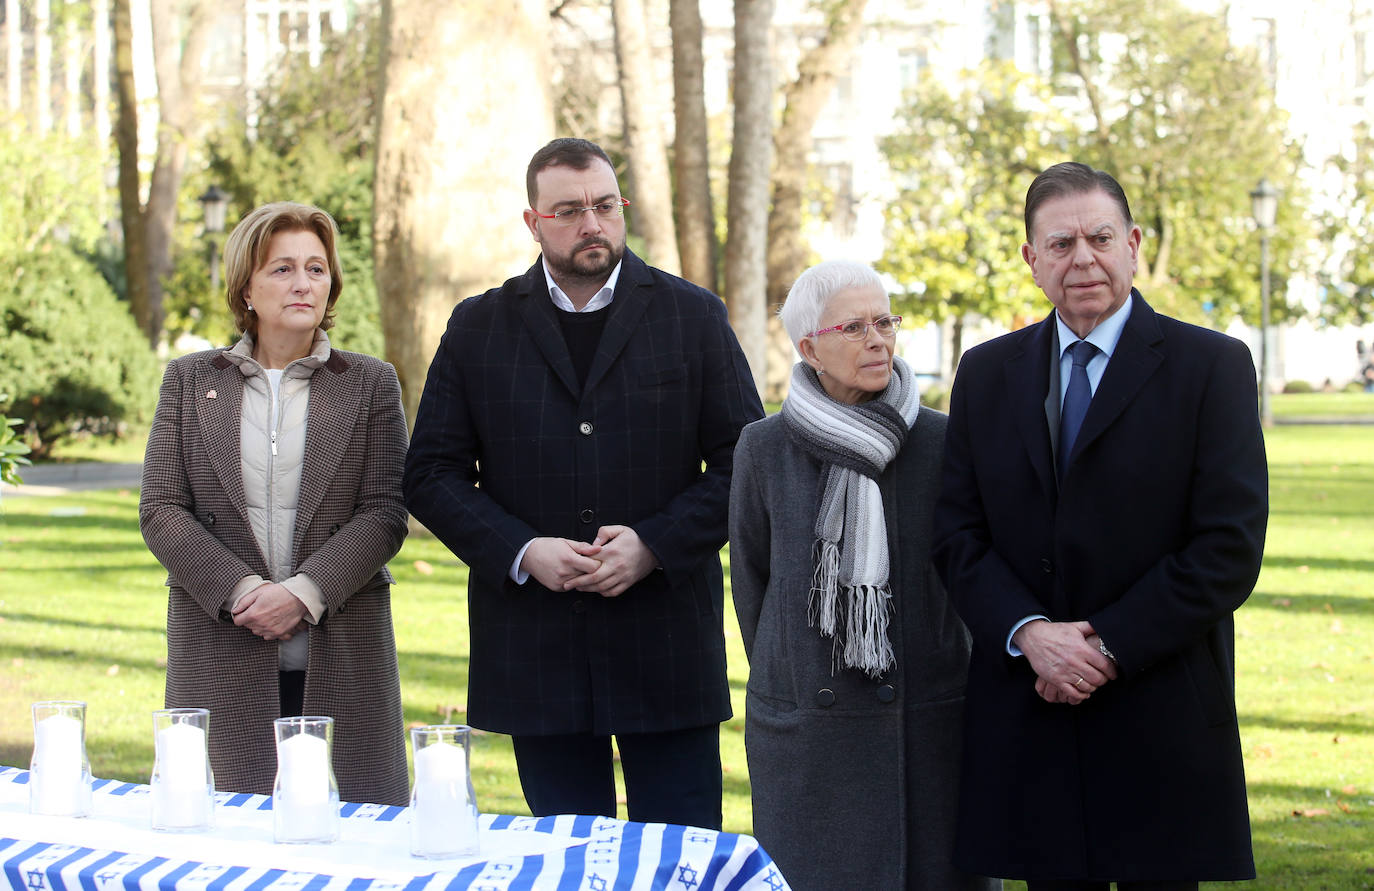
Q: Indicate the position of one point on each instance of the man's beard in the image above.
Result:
(587, 269)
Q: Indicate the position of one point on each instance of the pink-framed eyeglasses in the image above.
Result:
(857, 329)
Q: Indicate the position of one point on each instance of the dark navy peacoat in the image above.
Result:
(1155, 536)
(509, 446)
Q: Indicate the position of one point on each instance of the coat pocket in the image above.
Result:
(1213, 693)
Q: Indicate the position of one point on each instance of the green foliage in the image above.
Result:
(963, 160)
(1349, 297)
(1187, 123)
(54, 192)
(12, 448)
(1297, 386)
(71, 357)
(314, 142)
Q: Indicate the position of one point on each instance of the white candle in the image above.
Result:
(304, 808)
(59, 785)
(443, 821)
(182, 797)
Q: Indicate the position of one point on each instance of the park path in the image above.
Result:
(60, 479)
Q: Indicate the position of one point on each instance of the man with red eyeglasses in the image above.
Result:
(573, 446)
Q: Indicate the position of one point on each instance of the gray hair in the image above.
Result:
(810, 294)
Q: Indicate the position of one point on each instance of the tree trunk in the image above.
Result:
(42, 65)
(71, 70)
(126, 138)
(640, 106)
(452, 146)
(696, 221)
(956, 344)
(746, 247)
(14, 58)
(804, 99)
(177, 57)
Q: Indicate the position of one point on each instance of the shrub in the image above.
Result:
(71, 357)
(12, 449)
(1297, 387)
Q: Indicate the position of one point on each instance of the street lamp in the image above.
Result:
(215, 204)
(1264, 205)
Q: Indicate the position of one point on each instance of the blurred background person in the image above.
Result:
(272, 495)
(857, 660)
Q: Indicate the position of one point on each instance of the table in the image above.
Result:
(115, 849)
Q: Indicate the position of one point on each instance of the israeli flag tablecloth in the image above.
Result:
(115, 849)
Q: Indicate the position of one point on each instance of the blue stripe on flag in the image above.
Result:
(87, 875)
(131, 879)
(169, 881)
(501, 821)
(465, 877)
(239, 800)
(630, 840)
(583, 826)
(669, 855)
(268, 877)
(55, 881)
(12, 864)
(358, 884)
(574, 868)
(222, 882)
(754, 864)
(725, 846)
(316, 883)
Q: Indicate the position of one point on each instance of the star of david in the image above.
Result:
(36, 880)
(687, 876)
(773, 880)
(596, 883)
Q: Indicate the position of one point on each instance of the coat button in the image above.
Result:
(585, 428)
(825, 697)
(587, 515)
(1046, 565)
(333, 529)
(210, 519)
(887, 693)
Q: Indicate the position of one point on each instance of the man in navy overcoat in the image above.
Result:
(1102, 516)
(573, 446)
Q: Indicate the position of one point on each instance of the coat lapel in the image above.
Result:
(1028, 379)
(540, 318)
(632, 296)
(218, 418)
(1135, 359)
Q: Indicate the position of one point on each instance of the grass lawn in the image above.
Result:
(82, 616)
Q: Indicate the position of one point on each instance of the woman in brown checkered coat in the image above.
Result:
(271, 492)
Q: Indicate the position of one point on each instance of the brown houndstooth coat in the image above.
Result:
(350, 521)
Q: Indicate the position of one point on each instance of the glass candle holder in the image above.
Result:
(443, 807)
(305, 796)
(183, 786)
(59, 773)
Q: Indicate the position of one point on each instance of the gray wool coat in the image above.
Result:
(855, 780)
(350, 520)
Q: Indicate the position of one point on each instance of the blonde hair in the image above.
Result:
(245, 252)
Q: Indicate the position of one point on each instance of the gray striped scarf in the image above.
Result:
(849, 586)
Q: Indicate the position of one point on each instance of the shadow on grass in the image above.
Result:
(10, 521)
(1351, 726)
(48, 620)
(1329, 564)
(1333, 604)
(74, 662)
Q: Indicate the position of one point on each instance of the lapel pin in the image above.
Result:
(211, 394)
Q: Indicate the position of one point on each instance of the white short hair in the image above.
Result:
(810, 294)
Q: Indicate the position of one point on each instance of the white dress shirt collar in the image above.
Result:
(600, 299)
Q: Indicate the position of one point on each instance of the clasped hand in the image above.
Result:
(1068, 665)
(271, 612)
(608, 565)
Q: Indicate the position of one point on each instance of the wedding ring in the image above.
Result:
(1077, 682)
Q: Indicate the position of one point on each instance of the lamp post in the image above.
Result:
(215, 204)
(1264, 205)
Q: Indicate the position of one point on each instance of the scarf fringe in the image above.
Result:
(862, 611)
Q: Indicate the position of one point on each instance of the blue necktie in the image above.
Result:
(1076, 400)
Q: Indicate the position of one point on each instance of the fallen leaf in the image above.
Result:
(423, 567)
(1349, 790)
(1304, 568)
(1283, 601)
(1345, 807)
(1337, 739)
(1264, 751)
(112, 671)
(1312, 812)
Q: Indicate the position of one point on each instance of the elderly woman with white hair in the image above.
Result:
(857, 661)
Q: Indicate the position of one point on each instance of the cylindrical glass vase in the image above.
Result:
(443, 807)
(183, 785)
(59, 773)
(305, 796)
